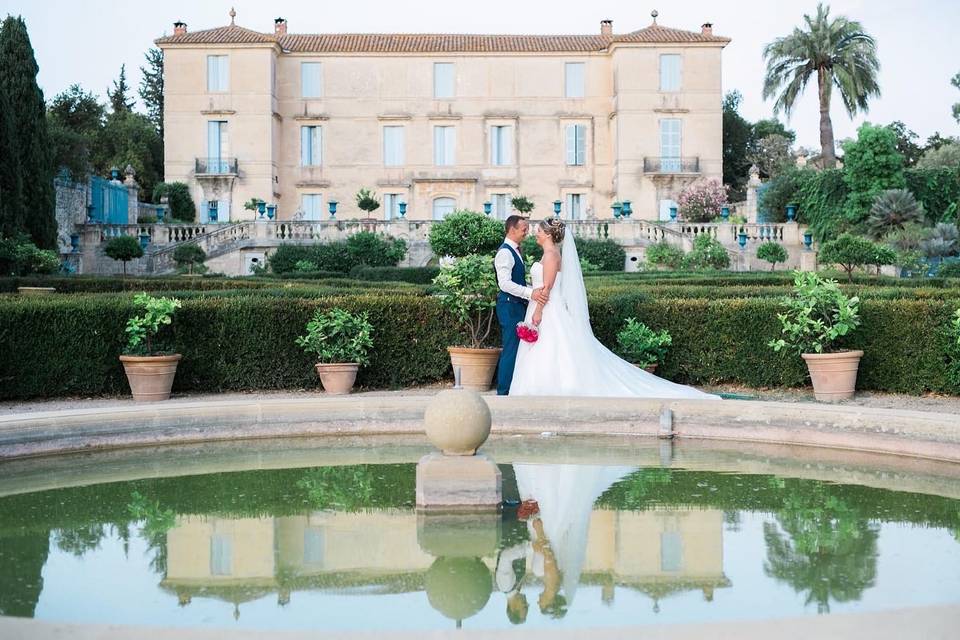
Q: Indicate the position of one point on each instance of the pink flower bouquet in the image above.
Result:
(527, 332)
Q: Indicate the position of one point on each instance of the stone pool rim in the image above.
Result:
(916, 434)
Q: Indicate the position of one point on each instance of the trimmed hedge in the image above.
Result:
(414, 275)
(68, 345)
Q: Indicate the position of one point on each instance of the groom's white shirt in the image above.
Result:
(503, 263)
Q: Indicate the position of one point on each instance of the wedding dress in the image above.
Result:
(565, 494)
(568, 360)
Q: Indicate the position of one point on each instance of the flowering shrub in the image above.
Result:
(701, 201)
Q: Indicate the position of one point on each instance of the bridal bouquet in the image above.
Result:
(527, 332)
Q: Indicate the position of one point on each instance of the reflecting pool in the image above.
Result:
(340, 546)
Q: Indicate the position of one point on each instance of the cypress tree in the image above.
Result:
(120, 101)
(11, 188)
(31, 145)
(151, 88)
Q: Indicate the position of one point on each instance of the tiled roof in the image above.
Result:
(438, 43)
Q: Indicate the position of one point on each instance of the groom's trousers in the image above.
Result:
(509, 314)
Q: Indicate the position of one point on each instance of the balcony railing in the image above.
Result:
(671, 165)
(216, 166)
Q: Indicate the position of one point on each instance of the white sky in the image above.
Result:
(87, 41)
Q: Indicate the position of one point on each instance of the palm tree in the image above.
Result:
(841, 55)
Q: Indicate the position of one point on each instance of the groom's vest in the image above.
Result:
(518, 275)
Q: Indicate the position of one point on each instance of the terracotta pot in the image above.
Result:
(834, 375)
(338, 377)
(477, 366)
(650, 368)
(150, 377)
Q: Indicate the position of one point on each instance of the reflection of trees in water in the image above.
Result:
(822, 547)
(156, 522)
(80, 539)
(346, 488)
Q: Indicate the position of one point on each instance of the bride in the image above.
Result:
(567, 359)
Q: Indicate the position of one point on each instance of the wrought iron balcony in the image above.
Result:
(671, 165)
(216, 166)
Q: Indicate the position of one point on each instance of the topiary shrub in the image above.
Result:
(190, 257)
(522, 204)
(366, 201)
(893, 209)
(124, 249)
(707, 253)
(701, 201)
(465, 233)
(330, 256)
(665, 255)
(772, 252)
(376, 250)
(178, 198)
(848, 252)
(606, 255)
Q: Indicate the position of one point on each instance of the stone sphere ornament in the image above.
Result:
(457, 422)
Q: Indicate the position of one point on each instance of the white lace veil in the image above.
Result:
(573, 291)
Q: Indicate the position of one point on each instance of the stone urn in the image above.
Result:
(834, 375)
(338, 377)
(476, 366)
(150, 377)
(457, 422)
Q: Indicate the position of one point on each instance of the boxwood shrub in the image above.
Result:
(244, 340)
(415, 275)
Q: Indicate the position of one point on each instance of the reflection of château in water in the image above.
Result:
(658, 552)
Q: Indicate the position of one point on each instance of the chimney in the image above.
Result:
(606, 27)
(179, 28)
(280, 26)
(707, 29)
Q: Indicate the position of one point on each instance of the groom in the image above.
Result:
(513, 298)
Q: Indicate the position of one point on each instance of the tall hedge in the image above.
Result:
(938, 190)
(68, 345)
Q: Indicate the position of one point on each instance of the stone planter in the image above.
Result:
(834, 375)
(650, 368)
(477, 366)
(35, 291)
(338, 377)
(150, 377)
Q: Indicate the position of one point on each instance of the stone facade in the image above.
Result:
(583, 115)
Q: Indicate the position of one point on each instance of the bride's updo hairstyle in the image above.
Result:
(554, 228)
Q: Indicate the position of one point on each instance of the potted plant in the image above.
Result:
(149, 365)
(340, 340)
(643, 346)
(818, 316)
(522, 205)
(467, 288)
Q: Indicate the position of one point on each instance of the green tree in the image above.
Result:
(848, 252)
(151, 88)
(772, 127)
(946, 155)
(189, 257)
(119, 95)
(822, 547)
(872, 165)
(906, 143)
(130, 138)
(463, 233)
(772, 252)
(124, 249)
(737, 134)
(841, 55)
(955, 81)
(178, 197)
(11, 184)
(74, 119)
(29, 147)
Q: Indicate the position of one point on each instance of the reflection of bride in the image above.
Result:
(565, 494)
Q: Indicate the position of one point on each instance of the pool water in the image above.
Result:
(342, 547)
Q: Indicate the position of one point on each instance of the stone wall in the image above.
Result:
(71, 209)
